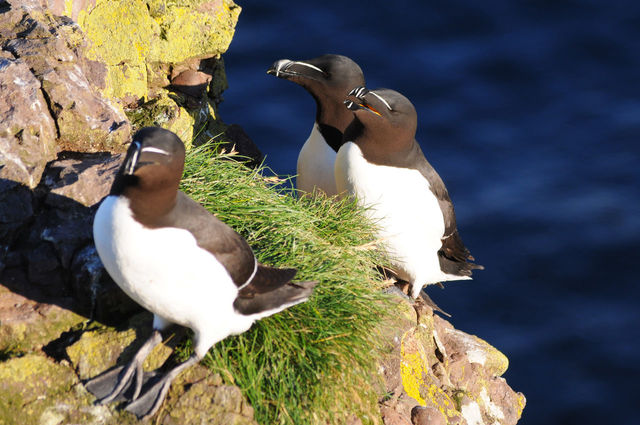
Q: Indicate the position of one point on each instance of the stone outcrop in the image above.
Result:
(55, 51)
(51, 95)
(27, 139)
(56, 102)
(159, 62)
(162, 58)
(61, 131)
(76, 78)
(47, 389)
(436, 374)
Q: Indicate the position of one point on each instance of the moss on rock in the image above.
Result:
(29, 384)
(194, 28)
(480, 352)
(131, 35)
(163, 111)
(98, 350)
(122, 33)
(101, 349)
(206, 400)
(444, 369)
(26, 326)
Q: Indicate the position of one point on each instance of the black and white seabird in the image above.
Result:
(328, 79)
(178, 261)
(382, 165)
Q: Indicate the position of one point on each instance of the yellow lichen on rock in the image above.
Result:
(444, 369)
(129, 35)
(163, 111)
(68, 8)
(521, 403)
(98, 350)
(189, 31)
(417, 379)
(480, 351)
(412, 366)
(26, 379)
(122, 33)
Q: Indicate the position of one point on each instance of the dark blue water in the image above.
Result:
(530, 111)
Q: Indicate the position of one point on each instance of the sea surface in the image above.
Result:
(530, 112)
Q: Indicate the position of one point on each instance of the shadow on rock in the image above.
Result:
(48, 259)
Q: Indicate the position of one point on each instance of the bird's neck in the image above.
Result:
(354, 131)
(330, 111)
(381, 148)
(150, 206)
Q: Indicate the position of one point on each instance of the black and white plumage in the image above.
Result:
(180, 262)
(382, 165)
(328, 79)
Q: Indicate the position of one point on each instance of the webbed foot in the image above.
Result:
(114, 384)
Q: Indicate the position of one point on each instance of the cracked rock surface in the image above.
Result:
(51, 99)
(436, 374)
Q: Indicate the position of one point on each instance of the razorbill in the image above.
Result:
(382, 165)
(328, 79)
(178, 261)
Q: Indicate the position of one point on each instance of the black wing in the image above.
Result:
(453, 255)
(211, 234)
(271, 289)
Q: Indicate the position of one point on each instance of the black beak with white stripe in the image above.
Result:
(131, 160)
(382, 164)
(328, 78)
(288, 69)
(181, 263)
(150, 169)
(360, 93)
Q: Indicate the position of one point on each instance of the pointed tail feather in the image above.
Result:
(267, 303)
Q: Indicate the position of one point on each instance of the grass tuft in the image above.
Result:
(315, 362)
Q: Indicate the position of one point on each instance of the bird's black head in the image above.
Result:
(328, 78)
(153, 163)
(329, 70)
(384, 110)
(383, 120)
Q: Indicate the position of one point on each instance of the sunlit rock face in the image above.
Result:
(436, 374)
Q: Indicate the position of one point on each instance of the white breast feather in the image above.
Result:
(315, 164)
(166, 272)
(407, 213)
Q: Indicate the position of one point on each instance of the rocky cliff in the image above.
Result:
(76, 77)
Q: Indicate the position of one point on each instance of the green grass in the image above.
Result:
(316, 362)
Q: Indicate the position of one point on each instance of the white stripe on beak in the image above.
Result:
(310, 66)
(382, 100)
(155, 150)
